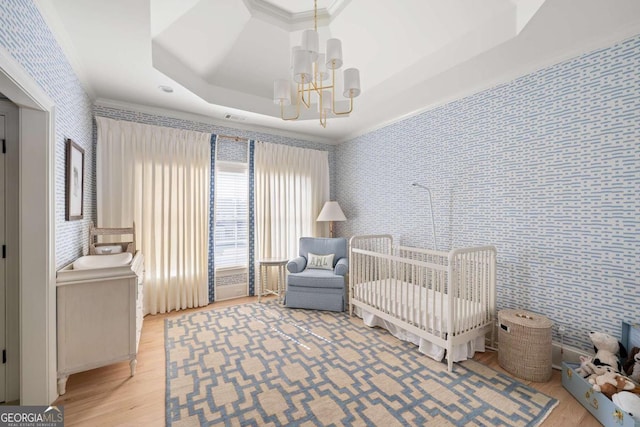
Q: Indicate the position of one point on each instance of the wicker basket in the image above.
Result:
(524, 347)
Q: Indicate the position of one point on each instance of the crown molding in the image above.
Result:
(286, 20)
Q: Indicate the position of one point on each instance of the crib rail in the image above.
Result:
(472, 276)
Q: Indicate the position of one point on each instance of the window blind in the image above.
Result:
(231, 216)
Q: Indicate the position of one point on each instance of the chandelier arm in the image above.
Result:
(323, 113)
(301, 91)
(340, 113)
(297, 111)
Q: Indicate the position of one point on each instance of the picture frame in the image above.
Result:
(74, 181)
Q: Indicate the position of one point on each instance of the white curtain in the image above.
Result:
(291, 186)
(159, 177)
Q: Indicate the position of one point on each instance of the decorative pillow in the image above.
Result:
(324, 262)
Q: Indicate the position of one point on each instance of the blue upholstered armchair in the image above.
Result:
(317, 281)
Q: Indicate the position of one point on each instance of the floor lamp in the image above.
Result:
(331, 212)
(433, 223)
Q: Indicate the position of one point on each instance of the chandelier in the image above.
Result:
(311, 77)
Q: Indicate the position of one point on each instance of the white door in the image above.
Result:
(3, 262)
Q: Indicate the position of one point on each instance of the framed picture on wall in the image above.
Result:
(74, 181)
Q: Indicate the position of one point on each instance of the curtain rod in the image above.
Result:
(235, 138)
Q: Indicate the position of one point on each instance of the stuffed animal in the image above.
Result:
(628, 402)
(586, 367)
(607, 348)
(612, 378)
(628, 365)
(609, 390)
(634, 370)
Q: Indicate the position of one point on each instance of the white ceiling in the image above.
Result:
(222, 56)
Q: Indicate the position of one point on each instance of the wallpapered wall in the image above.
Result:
(25, 35)
(546, 167)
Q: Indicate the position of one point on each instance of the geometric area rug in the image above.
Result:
(264, 364)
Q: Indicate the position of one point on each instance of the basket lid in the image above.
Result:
(525, 318)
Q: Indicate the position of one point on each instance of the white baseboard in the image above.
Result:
(231, 291)
(565, 354)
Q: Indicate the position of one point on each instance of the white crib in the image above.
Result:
(442, 301)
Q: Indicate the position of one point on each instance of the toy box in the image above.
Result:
(597, 403)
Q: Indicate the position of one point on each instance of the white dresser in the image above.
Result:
(100, 314)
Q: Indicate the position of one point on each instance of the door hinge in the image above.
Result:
(4, 356)
(4, 146)
(4, 251)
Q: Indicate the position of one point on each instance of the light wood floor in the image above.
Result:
(109, 397)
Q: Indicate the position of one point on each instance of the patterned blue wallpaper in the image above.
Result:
(546, 167)
(25, 35)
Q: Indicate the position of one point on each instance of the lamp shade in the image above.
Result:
(334, 54)
(293, 49)
(310, 43)
(351, 83)
(331, 212)
(326, 104)
(301, 66)
(282, 92)
(321, 72)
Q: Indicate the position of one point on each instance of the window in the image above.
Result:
(231, 215)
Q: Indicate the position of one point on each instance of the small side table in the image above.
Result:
(263, 288)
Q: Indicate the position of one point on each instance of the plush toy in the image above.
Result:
(586, 367)
(621, 384)
(607, 349)
(628, 402)
(634, 369)
(628, 364)
(612, 378)
(609, 390)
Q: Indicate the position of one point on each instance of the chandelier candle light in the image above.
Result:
(310, 75)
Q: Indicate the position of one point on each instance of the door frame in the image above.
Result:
(37, 291)
(12, 272)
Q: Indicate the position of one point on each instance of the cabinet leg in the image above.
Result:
(132, 365)
(62, 385)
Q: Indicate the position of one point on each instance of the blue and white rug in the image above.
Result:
(263, 364)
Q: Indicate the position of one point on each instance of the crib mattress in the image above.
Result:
(397, 296)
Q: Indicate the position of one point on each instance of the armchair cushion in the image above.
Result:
(297, 265)
(316, 278)
(342, 266)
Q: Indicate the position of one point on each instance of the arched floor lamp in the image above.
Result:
(433, 223)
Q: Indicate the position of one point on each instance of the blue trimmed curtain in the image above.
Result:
(252, 222)
(212, 269)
